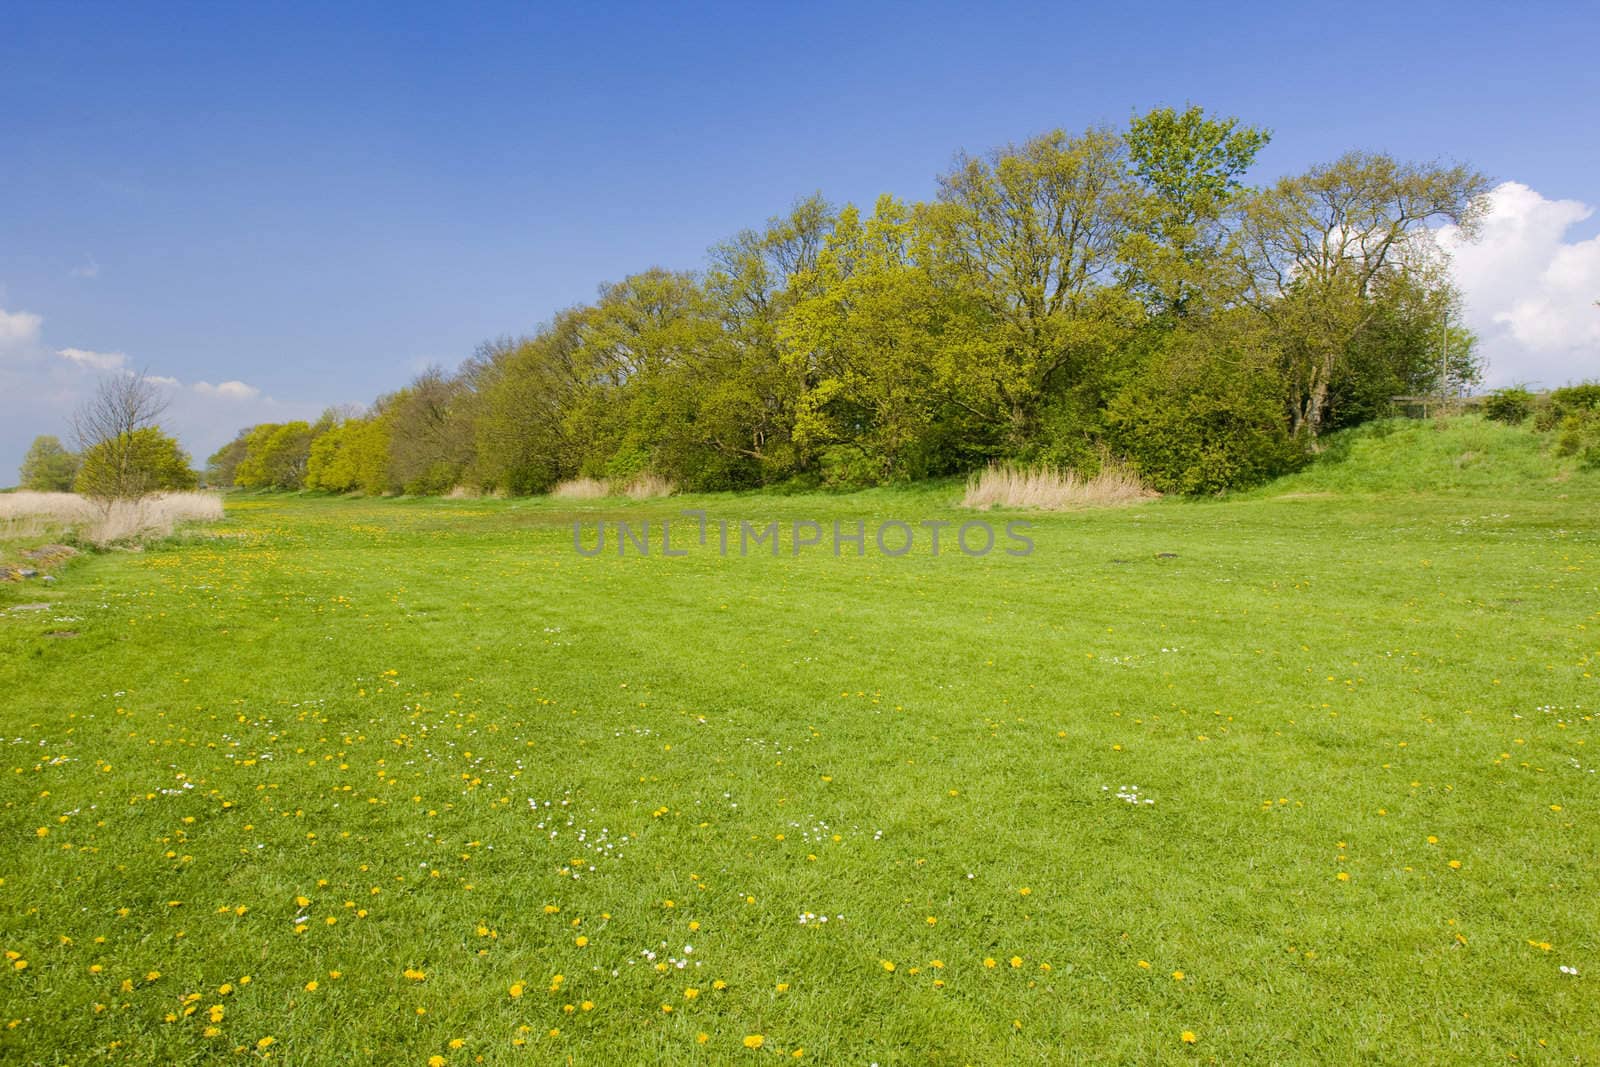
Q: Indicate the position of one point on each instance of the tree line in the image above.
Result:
(1110, 294)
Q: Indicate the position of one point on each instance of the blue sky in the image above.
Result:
(314, 201)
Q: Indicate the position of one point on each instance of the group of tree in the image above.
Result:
(1111, 293)
(122, 452)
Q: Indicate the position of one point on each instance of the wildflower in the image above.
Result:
(1188, 1038)
(516, 989)
(690, 993)
(701, 1038)
(311, 986)
(888, 965)
(1015, 961)
(1177, 976)
(266, 1042)
(754, 1041)
(436, 1061)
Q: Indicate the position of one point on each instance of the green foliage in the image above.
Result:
(352, 457)
(1043, 307)
(1512, 405)
(48, 467)
(131, 465)
(224, 462)
(275, 456)
(1206, 416)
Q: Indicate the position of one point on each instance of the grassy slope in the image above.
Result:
(365, 696)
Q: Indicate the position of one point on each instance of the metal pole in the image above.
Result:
(1444, 356)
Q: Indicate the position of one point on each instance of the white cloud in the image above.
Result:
(92, 360)
(234, 390)
(18, 329)
(161, 379)
(91, 269)
(1530, 293)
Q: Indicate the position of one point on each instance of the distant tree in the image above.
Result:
(132, 465)
(48, 467)
(224, 462)
(351, 457)
(430, 424)
(110, 428)
(275, 456)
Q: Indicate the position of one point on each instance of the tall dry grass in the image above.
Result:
(649, 486)
(29, 514)
(582, 489)
(1053, 489)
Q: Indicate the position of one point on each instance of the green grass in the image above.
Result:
(355, 702)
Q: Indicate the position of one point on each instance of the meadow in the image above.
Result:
(1301, 775)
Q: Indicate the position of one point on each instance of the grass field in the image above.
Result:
(344, 782)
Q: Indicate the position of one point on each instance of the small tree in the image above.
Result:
(133, 464)
(110, 428)
(48, 467)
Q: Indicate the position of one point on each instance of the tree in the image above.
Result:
(224, 462)
(1318, 248)
(110, 426)
(1030, 236)
(275, 456)
(1189, 165)
(746, 395)
(48, 467)
(351, 457)
(132, 465)
(867, 346)
(430, 424)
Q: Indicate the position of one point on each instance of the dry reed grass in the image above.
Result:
(1053, 489)
(649, 486)
(582, 489)
(28, 514)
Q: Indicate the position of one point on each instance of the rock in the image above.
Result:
(30, 607)
(1166, 555)
(51, 553)
(27, 572)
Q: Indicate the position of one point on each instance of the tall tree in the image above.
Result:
(1189, 165)
(1031, 234)
(1318, 247)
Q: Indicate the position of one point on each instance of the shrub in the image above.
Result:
(1203, 419)
(1511, 405)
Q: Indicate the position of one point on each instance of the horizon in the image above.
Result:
(276, 212)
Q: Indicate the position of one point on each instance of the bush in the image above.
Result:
(1511, 405)
(1203, 421)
